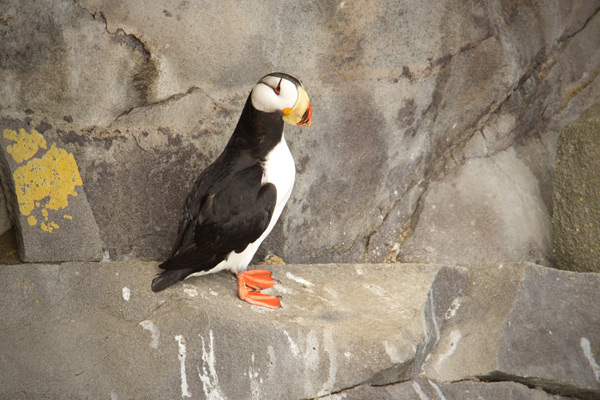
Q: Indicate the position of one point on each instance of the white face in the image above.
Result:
(265, 96)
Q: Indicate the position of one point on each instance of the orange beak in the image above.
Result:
(306, 118)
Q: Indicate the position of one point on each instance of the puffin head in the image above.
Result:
(284, 94)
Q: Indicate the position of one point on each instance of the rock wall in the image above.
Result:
(434, 133)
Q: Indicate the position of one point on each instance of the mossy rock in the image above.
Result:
(576, 216)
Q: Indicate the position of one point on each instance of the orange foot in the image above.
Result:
(250, 283)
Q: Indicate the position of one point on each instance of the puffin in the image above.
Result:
(236, 201)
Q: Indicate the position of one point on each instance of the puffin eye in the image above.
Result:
(277, 89)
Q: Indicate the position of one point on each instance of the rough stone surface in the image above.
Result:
(442, 300)
(490, 210)
(576, 218)
(52, 217)
(8, 248)
(525, 323)
(145, 95)
(428, 389)
(5, 222)
(61, 63)
(528, 121)
(549, 94)
(96, 330)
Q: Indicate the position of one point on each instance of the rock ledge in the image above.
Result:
(80, 330)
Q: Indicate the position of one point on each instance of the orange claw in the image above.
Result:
(250, 283)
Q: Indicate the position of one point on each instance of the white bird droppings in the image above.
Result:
(433, 318)
(126, 294)
(330, 349)
(377, 290)
(392, 352)
(437, 390)
(419, 391)
(451, 311)
(272, 362)
(283, 289)
(293, 346)
(182, 356)
(301, 281)
(149, 326)
(190, 292)
(335, 396)
(255, 381)
(587, 352)
(455, 337)
(311, 352)
(331, 292)
(208, 376)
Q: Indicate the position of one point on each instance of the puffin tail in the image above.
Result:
(169, 277)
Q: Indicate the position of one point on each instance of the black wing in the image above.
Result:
(232, 213)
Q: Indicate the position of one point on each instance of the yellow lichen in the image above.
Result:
(54, 176)
(27, 144)
(46, 228)
(67, 217)
(46, 181)
(49, 227)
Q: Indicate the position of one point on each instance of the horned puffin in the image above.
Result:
(236, 200)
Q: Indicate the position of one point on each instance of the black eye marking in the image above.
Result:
(277, 89)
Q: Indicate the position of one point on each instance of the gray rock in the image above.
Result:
(490, 210)
(5, 221)
(443, 299)
(77, 330)
(548, 87)
(44, 190)
(576, 218)
(541, 95)
(60, 63)
(524, 323)
(423, 389)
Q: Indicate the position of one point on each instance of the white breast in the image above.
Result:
(280, 170)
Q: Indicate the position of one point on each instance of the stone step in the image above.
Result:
(95, 330)
(518, 322)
